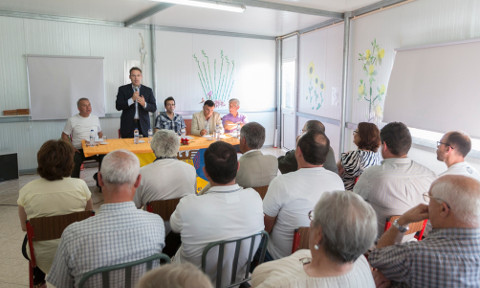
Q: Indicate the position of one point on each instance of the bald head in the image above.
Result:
(314, 146)
(462, 195)
(311, 125)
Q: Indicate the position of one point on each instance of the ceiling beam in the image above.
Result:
(150, 12)
(285, 7)
(376, 6)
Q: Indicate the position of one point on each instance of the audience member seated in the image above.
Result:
(226, 211)
(450, 255)
(79, 127)
(205, 121)
(342, 228)
(352, 164)
(255, 168)
(290, 196)
(118, 233)
(183, 275)
(399, 182)
(288, 163)
(452, 149)
(55, 193)
(169, 119)
(167, 177)
(233, 119)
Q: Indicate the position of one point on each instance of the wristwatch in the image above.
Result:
(402, 229)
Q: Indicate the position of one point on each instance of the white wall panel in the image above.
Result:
(320, 75)
(117, 45)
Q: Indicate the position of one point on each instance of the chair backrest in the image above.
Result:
(132, 271)
(412, 227)
(164, 208)
(188, 126)
(233, 258)
(262, 190)
(48, 228)
(300, 238)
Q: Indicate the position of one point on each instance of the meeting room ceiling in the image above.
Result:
(265, 17)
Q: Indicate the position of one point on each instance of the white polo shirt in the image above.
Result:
(289, 198)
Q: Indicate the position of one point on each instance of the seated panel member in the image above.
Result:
(79, 127)
(205, 121)
(169, 119)
(232, 119)
(450, 255)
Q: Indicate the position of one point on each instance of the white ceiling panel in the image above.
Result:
(258, 21)
(265, 19)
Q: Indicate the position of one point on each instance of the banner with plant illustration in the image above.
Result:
(216, 77)
(368, 90)
(315, 90)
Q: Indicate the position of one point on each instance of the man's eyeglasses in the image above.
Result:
(310, 215)
(444, 143)
(427, 197)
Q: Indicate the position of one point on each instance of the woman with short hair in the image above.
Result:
(353, 163)
(55, 193)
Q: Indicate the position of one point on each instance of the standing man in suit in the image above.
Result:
(135, 101)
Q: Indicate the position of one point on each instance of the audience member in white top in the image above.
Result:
(342, 228)
(79, 127)
(452, 149)
(167, 177)
(290, 196)
(399, 183)
(226, 211)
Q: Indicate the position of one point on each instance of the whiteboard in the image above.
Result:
(436, 88)
(55, 83)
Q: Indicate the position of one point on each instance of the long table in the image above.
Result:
(195, 143)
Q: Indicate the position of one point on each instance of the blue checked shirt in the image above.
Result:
(446, 258)
(164, 122)
(118, 233)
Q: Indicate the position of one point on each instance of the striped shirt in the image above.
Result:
(448, 257)
(119, 233)
(354, 162)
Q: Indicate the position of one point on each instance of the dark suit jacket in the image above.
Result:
(128, 112)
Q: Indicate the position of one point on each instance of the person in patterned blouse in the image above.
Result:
(352, 164)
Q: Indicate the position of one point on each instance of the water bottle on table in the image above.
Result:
(136, 136)
(92, 138)
(150, 135)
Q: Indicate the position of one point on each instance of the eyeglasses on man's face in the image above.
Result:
(427, 198)
(439, 143)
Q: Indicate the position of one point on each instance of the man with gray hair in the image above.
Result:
(233, 119)
(255, 169)
(450, 255)
(452, 149)
(119, 233)
(288, 163)
(167, 177)
(343, 226)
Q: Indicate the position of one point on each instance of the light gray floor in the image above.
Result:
(13, 267)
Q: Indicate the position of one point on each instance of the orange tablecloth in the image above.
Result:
(127, 143)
